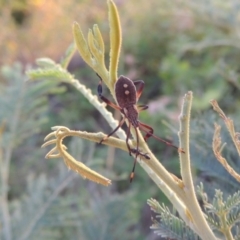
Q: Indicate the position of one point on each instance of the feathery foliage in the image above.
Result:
(23, 112)
(223, 215)
(49, 211)
(169, 225)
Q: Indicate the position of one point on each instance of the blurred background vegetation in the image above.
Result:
(174, 46)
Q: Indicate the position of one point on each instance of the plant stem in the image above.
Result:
(44, 208)
(190, 199)
(5, 164)
(225, 228)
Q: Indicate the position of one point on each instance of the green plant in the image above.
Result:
(18, 101)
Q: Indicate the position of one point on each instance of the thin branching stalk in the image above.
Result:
(7, 232)
(229, 124)
(217, 149)
(41, 211)
(4, 187)
(226, 230)
(190, 199)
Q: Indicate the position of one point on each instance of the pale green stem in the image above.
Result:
(225, 228)
(173, 198)
(190, 198)
(41, 211)
(94, 137)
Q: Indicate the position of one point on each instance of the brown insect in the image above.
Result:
(127, 96)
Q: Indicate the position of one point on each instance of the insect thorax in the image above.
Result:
(125, 92)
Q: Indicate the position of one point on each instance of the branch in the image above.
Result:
(229, 124)
(60, 151)
(217, 147)
(189, 198)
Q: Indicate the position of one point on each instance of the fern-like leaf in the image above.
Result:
(213, 221)
(233, 201)
(170, 226)
(237, 236)
(222, 215)
(68, 55)
(234, 216)
(54, 73)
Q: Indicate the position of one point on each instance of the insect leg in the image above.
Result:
(127, 138)
(149, 132)
(111, 104)
(143, 127)
(136, 131)
(133, 170)
(135, 159)
(142, 107)
(111, 133)
(134, 150)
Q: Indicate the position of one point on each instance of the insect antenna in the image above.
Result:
(133, 170)
(99, 88)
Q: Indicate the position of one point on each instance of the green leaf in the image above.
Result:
(169, 225)
(54, 73)
(68, 55)
(115, 41)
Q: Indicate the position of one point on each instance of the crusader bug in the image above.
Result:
(127, 94)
